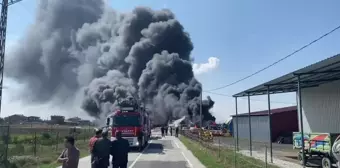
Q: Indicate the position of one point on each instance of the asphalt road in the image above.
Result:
(168, 152)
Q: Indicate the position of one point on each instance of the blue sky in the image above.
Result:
(244, 35)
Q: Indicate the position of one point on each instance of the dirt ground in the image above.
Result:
(281, 151)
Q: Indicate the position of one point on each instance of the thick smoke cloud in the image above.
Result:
(85, 46)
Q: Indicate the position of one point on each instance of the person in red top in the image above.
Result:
(93, 140)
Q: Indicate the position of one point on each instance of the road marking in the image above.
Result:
(176, 144)
(135, 161)
(190, 165)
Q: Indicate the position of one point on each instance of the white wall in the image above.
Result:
(259, 128)
(321, 108)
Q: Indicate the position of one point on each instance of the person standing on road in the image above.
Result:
(162, 130)
(101, 151)
(170, 131)
(140, 140)
(70, 156)
(93, 140)
(119, 151)
(177, 130)
(166, 130)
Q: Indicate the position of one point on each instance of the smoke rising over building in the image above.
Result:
(85, 46)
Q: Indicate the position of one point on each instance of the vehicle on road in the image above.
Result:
(133, 121)
(216, 131)
(317, 146)
(194, 130)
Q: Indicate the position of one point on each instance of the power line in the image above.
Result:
(296, 51)
(220, 94)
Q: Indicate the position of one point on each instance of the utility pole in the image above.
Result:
(3, 30)
(201, 110)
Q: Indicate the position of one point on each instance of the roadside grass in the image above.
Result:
(45, 158)
(41, 150)
(51, 161)
(214, 157)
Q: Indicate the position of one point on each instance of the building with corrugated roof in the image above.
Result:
(284, 122)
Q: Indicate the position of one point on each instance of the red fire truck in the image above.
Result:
(133, 121)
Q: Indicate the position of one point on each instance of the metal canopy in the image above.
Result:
(322, 72)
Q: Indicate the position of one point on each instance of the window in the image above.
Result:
(126, 120)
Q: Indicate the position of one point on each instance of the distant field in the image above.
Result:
(31, 129)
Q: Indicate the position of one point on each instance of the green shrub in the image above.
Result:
(18, 149)
(46, 135)
(15, 140)
(5, 138)
(23, 162)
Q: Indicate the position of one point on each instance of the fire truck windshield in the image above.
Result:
(131, 120)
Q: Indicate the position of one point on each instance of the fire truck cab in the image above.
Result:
(133, 121)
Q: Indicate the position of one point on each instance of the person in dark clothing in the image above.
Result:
(101, 151)
(140, 139)
(93, 140)
(162, 130)
(170, 131)
(166, 130)
(177, 130)
(119, 151)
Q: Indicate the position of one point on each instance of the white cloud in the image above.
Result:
(213, 63)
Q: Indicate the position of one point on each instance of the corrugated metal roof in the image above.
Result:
(265, 112)
(322, 72)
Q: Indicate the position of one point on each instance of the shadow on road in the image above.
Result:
(155, 138)
(154, 147)
(134, 150)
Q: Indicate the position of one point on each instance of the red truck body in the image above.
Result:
(133, 123)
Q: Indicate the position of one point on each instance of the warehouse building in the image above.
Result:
(321, 108)
(284, 122)
(318, 96)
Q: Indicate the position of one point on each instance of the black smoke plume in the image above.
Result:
(85, 46)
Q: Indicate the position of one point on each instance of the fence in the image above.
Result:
(4, 134)
(227, 155)
(42, 142)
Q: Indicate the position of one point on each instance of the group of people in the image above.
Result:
(101, 148)
(164, 130)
